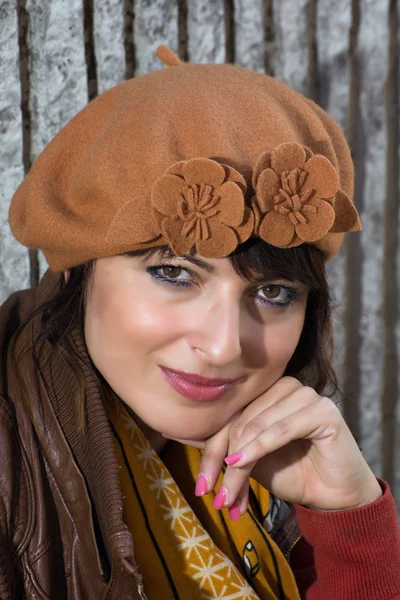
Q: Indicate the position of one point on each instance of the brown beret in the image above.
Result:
(194, 156)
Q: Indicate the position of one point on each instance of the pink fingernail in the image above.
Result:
(234, 511)
(220, 498)
(201, 486)
(234, 458)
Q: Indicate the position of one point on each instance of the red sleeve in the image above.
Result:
(350, 554)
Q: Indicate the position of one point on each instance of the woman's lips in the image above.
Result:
(195, 388)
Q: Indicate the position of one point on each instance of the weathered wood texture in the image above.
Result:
(14, 259)
(55, 55)
(109, 51)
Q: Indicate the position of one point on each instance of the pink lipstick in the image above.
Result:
(196, 387)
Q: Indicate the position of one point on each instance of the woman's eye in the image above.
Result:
(171, 271)
(271, 291)
(278, 295)
(171, 275)
(272, 294)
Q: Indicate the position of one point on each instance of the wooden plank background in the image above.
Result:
(55, 55)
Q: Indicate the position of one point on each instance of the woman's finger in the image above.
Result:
(240, 434)
(283, 388)
(239, 506)
(233, 492)
(268, 433)
(212, 460)
(306, 423)
(234, 489)
(243, 431)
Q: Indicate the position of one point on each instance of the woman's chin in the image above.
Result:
(195, 434)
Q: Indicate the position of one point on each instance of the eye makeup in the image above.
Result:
(290, 294)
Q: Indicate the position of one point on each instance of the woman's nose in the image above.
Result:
(217, 333)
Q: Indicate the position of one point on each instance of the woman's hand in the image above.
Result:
(296, 444)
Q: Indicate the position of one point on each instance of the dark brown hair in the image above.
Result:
(310, 363)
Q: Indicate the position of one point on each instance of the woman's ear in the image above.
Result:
(66, 276)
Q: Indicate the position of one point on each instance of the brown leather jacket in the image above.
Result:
(61, 529)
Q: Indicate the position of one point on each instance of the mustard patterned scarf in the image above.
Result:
(184, 548)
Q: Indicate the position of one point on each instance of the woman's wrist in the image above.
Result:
(374, 493)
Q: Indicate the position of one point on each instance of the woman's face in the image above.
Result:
(200, 318)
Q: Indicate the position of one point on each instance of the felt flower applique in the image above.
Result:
(203, 205)
(298, 197)
(197, 203)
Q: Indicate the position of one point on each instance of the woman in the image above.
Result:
(164, 429)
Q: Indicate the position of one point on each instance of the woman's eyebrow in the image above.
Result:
(202, 264)
(166, 253)
(270, 275)
(259, 278)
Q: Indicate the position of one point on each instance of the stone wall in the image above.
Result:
(55, 55)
